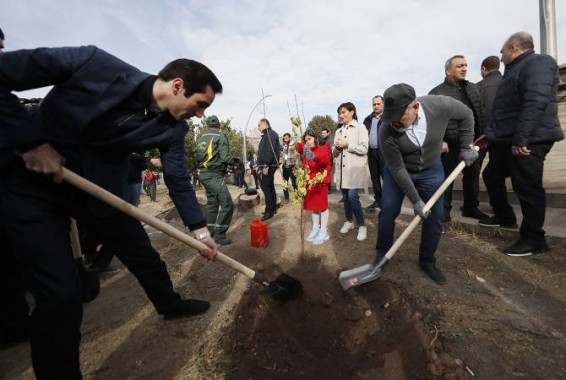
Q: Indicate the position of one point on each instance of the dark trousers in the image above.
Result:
(375, 163)
(132, 193)
(267, 183)
(256, 179)
(240, 179)
(151, 190)
(526, 174)
(14, 308)
(37, 215)
(288, 174)
(470, 181)
(89, 246)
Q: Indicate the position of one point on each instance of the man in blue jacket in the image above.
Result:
(99, 110)
(524, 126)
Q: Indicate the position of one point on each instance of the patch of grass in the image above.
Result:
(210, 363)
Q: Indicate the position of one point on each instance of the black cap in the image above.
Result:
(212, 121)
(396, 99)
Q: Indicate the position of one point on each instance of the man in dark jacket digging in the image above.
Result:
(410, 138)
(99, 111)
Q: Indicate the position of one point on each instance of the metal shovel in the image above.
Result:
(370, 272)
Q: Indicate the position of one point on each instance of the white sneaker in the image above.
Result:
(321, 237)
(347, 227)
(362, 233)
(313, 233)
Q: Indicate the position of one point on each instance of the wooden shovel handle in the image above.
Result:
(75, 240)
(105, 196)
(426, 208)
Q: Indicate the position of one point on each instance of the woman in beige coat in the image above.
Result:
(350, 152)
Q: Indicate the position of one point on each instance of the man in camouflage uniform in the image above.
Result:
(213, 156)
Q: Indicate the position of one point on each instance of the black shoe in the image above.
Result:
(372, 207)
(524, 249)
(103, 269)
(434, 273)
(475, 214)
(266, 216)
(447, 218)
(493, 221)
(186, 308)
(223, 241)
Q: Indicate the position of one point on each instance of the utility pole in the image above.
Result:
(548, 28)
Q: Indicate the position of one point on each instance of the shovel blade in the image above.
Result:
(359, 275)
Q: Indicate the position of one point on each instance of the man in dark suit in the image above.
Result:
(99, 110)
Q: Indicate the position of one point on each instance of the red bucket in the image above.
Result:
(258, 233)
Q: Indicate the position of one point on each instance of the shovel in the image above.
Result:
(90, 281)
(370, 272)
(283, 288)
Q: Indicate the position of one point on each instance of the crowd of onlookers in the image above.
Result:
(511, 119)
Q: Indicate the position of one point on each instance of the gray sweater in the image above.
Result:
(402, 156)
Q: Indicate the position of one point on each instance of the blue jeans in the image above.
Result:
(352, 206)
(133, 193)
(426, 182)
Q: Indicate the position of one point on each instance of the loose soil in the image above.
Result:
(497, 317)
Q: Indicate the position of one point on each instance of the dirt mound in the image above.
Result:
(366, 333)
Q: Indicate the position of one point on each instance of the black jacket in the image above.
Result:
(268, 149)
(525, 109)
(98, 112)
(488, 88)
(451, 89)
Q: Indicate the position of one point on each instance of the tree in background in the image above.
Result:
(318, 123)
(234, 137)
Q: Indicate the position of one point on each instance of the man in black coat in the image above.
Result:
(99, 110)
(456, 86)
(524, 126)
(488, 85)
(375, 164)
(267, 163)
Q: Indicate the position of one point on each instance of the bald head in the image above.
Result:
(516, 45)
(523, 40)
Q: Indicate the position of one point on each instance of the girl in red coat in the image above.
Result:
(315, 155)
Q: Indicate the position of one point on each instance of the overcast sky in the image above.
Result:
(324, 52)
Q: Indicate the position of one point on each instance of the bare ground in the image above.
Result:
(497, 317)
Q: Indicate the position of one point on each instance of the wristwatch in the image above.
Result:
(202, 235)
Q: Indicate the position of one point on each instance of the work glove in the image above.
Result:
(308, 153)
(419, 210)
(468, 155)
